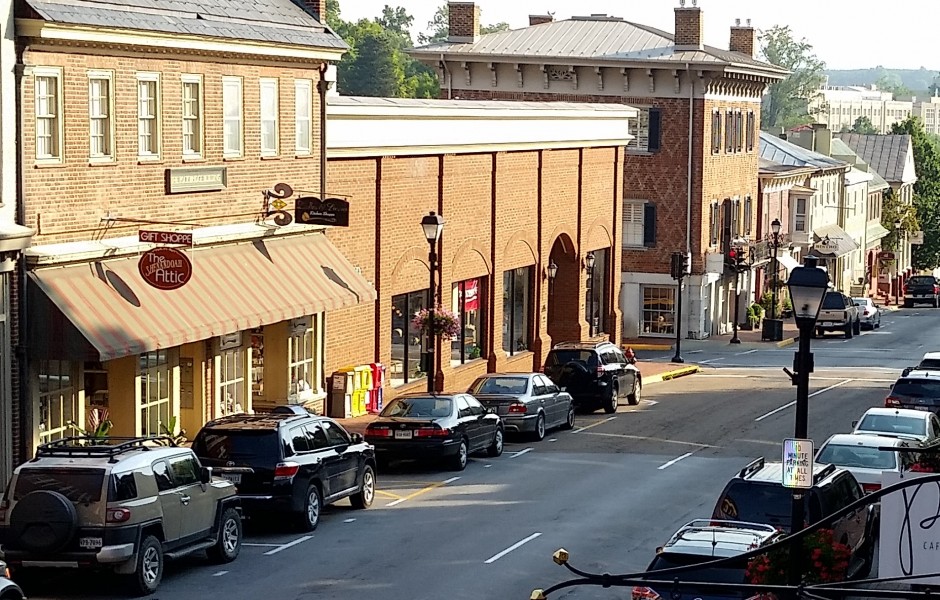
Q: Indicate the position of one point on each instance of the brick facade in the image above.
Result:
(743, 40)
(689, 27)
(463, 19)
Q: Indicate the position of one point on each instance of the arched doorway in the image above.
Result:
(565, 322)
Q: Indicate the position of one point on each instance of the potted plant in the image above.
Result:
(446, 323)
(787, 310)
(824, 561)
(99, 426)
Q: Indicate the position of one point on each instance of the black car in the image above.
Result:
(756, 495)
(597, 375)
(293, 462)
(922, 289)
(435, 426)
(918, 389)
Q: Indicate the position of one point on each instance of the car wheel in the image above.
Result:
(496, 448)
(569, 421)
(229, 542)
(313, 504)
(364, 497)
(868, 562)
(935, 303)
(539, 432)
(878, 322)
(848, 330)
(459, 461)
(858, 328)
(634, 398)
(149, 567)
(610, 406)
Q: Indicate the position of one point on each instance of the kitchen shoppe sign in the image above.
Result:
(909, 540)
(165, 268)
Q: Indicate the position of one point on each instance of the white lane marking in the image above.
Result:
(260, 545)
(487, 466)
(748, 352)
(816, 393)
(349, 521)
(651, 402)
(300, 540)
(710, 360)
(518, 544)
(580, 429)
(521, 452)
(553, 440)
(673, 461)
(219, 574)
(695, 351)
(721, 375)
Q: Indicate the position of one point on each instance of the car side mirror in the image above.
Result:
(356, 438)
(854, 423)
(205, 474)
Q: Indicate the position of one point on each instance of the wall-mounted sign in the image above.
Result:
(166, 237)
(916, 238)
(165, 268)
(196, 179)
(910, 529)
(230, 341)
(886, 256)
(312, 211)
(798, 463)
(300, 326)
(826, 246)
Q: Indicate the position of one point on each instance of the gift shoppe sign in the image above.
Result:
(909, 540)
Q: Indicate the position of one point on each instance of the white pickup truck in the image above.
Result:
(838, 313)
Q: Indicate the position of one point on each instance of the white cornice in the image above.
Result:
(377, 150)
(43, 30)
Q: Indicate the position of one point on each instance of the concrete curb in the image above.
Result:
(669, 375)
(648, 347)
(787, 342)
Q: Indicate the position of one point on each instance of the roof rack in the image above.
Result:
(825, 472)
(752, 468)
(90, 446)
(729, 524)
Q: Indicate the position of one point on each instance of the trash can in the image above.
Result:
(342, 386)
(772, 330)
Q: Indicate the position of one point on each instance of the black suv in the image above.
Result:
(289, 460)
(756, 494)
(596, 375)
(922, 289)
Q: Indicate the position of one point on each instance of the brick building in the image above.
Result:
(165, 121)
(690, 179)
(522, 187)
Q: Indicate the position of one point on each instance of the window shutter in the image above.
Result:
(649, 225)
(655, 128)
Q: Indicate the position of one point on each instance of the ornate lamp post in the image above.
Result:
(552, 273)
(897, 264)
(589, 263)
(773, 327)
(432, 225)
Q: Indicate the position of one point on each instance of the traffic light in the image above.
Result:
(731, 259)
(687, 263)
(676, 266)
(741, 259)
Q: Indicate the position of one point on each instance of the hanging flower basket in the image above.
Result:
(824, 561)
(446, 323)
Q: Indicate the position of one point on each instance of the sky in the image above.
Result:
(846, 34)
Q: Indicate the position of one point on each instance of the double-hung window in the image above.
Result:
(648, 132)
(192, 116)
(639, 224)
(303, 115)
(48, 92)
(148, 115)
(269, 120)
(716, 132)
(100, 116)
(751, 130)
(232, 115)
(738, 131)
(714, 223)
(729, 131)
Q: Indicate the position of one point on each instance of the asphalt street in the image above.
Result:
(609, 492)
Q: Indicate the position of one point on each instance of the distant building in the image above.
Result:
(839, 107)
(928, 111)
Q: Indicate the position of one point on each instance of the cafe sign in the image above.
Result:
(165, 268)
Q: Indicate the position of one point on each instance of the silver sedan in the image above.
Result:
(526, 402)
(869, 315)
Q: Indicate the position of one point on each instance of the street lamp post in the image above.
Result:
(897, 263)
(808, 285)
(775, 233)
(589, 263)
(432, 225)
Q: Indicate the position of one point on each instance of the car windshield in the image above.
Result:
(500, 385)
(81, 486)
(733, 573)
(893, 424)
(917, 388)
(563, 357)
(861, 301)
(861, 457)
(922, 281)
(929, 363)
(833, 300)
(758, 503)
(419, 407)
(224, 445)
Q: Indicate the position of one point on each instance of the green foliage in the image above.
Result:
(98, 427)
(786, 102)
(767, 302)
(755, 313)
(864, 126)
(914, 79)
(891, 82)
(169, 430)
(439, 27)
(926, 205)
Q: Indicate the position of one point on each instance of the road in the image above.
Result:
(609, 492)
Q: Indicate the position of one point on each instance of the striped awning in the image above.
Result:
(234, 287)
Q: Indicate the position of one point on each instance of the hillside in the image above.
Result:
(913, 79)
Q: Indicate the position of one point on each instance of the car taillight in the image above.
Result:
(892, 401)
(936, 289)
(517, 408)
(866, 312)
(431, 432)
(645, 593)
(907, 288)
(118, 515)
(285, 471)
(375, 432)
(600, 370)
(871, 487)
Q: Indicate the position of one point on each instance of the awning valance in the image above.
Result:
(234, 287)
(787, 262)
(832, 241)
(874, 234)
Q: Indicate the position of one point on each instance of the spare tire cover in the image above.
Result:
(43, 521)
(574, 372)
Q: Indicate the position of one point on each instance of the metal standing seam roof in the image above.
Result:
(460, 106)
(278, 21)
(121, 315)
(781, 151)
(887, 154)
(769, 168)
(593, 38)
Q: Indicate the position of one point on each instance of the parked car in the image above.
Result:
(869, 313)
(597, 375)
(120, 504)
(922, 289)
(435, 426)
(8, 589)
(756, 495)
(294, 462)
(920, 425)
(860, 455)
(918, 390)
(838, 313)
(526, 402)
(930, 362)
(701, 541)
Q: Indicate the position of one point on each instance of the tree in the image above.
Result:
(864, 126)
(373, 66)
(787, 101)
(926, 204)
(891, 82)
(439, 26)
(398, 21)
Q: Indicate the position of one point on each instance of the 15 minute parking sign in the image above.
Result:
(798, 463)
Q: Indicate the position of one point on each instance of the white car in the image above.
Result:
(869, 315)
(8, 589)
(861, 455)
(900, 422)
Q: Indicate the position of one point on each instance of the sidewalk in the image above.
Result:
(652, 372)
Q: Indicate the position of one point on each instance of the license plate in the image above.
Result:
(235, 478)
(918, 295)
(403, 435)
(90, 543)
(828, 324)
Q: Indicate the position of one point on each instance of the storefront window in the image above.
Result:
(232, 387)
(517, 303)
(659, 310)
(257, 365)
(58, 401)
(596, 295)
(156, 392)
(468, 300)
(304, 368)
(407, 342)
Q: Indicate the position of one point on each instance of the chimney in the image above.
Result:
(688, 26)
(319, 9)
(540, 19)
(463, 22)
(743, 38)
(822, 139)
